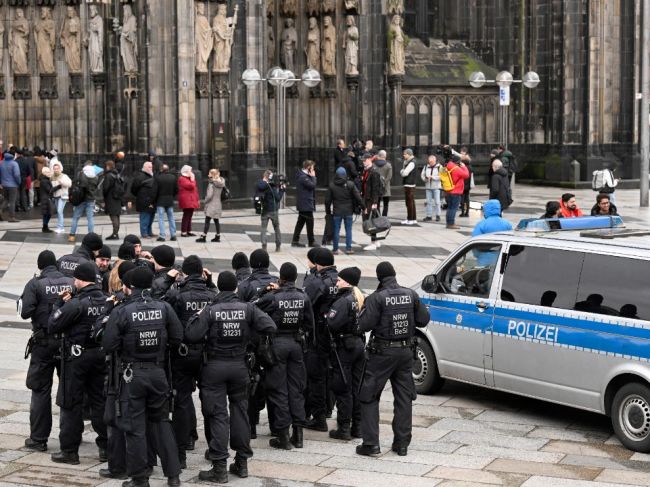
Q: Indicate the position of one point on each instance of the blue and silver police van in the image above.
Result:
(557, 310)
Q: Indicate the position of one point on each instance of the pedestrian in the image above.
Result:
(291, 310)
(408, 181)
(25, 161)
(225, 328)
(166, 191)
(341, 201)
(145, 391)
(10, 181)
(431, 176)
(553, 210)
(465, 200)
(143, 188)
(40, 163)
(305, 203)
(604, 182)
(270, 193)
(371, 193)
(87, 251)
(342, 323)
(188, 199)
(241, 266)
(385, 170)
(84, 367)
(61, 184)
(36, 303)
(114, 190)
(391, 313)
(457, 172)
(569, 206)
(500, 185)
(340, 153)
(213, 207)
(604, 206)
(45, 197)
(87, 181)
(492, 220)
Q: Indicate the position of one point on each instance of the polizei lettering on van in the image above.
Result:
(534, 331)
(149, 315)
(397, 300)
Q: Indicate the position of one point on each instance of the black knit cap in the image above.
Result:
(385, 269)
(240, 261)
(192, 265)
(323, 257)
(46, 258)
(227, 281)
(351, 275)
(105, 252)
(132, 239)
(92, 241)
(139, 278)
(126, 251)
(288, 272)
(164, 255)
(125, 267)
(311, 253)
(86, 272)
(259, 259)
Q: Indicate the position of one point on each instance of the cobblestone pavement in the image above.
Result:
(463, 436)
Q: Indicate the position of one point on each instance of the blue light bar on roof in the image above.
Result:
(577, 223)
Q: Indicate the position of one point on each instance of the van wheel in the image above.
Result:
(631, 416)
(425, 370)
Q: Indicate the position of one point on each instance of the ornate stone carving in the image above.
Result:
(129, 41)
(329, 6)
(396, 55)
(202, 39)
(220, 85)
(270, 8)
(22, 87)
(270, 44)
(312, 50)
(47, 90)
(2, 43)
(71, 41)
(328, 47)
(202, 85)
(313, 8)
(3, 95)
(289, 8)
(223, 28)
(394, 7)
(95, 41)
(19, 43)
(76, 89)
(351, 6)
(45, 41)
(351, 46)
(289, 41)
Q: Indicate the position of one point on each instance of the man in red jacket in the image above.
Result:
(459, 173)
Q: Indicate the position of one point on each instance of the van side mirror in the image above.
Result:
(430, 283)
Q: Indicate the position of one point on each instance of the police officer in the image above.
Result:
(291, 310)
(103, 263)
(311, 267)
(90, 246)
(226, 326)
(348, 343)
(251, 287)
(391, 313)
(36, 302)
(241, 266)
(84, 367)
(187, 298)
(165, 273)
(321, 290)
(140, 331)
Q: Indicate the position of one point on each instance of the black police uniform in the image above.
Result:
(349, 342)
(190, 297)
(285, 381)
(226, 327)
(162, 282)
(321, 290)
(391, 313)
(141, 330)
(242, 274)
(68, 263)
(36, 302)
(250, 288)
(84, 366)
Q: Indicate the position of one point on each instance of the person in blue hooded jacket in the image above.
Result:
(492, 221)
(10, 181)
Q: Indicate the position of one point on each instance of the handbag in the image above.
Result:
(376, 224)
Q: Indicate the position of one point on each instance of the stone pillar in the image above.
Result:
(395, 114)
(256, 57)
(116, 100)
(186, 79)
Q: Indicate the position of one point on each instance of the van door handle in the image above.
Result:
(482, 306)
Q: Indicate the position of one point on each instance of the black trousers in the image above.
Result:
(317, 363)
(304, 218)
(394, 364)
(224, 390)
(206, 225)
(350, 351)
(285, 384)
(42, 365)
(185, 375)
(385, 200)
(115, 221)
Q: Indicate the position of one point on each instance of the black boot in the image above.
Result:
(355, 431)
(282, 442)
(107, 473)
(239, 468)
(201, 239)
(70, 458)
(218, 473)
(182, 458)
(35, 445)
(217, 238)
(253, 431)
(174, 481)
(296, 436)
(318, 424)
(137, 482)
(368, 450)
(103, 455)
(342, 432)
(46, 229)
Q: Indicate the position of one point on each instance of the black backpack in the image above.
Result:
(119, 188)
(77, 192)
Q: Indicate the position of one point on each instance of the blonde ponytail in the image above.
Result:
(358, 295)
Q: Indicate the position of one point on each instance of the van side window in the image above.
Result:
(542, 276)
(614, 286)
(471, 273)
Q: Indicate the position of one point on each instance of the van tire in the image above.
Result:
(425, 369)
(631, 416)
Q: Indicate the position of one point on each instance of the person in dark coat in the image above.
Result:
(305, 203)
(371, 192)
(144, 190)
(340, 153)
(344, 197)
(166, 191)
(500, 185)
(113, 200)
(604, 207)
(45, 189)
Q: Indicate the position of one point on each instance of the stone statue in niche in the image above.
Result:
(203, 39)
(329, 6)
(289, 8)
(351, 5)
(71, 41)
(328, 47)
(223, 29)
(19, 43)
(95, 41)
(396, 53)
(312, 50)
(313, 7)
(289, 41)
(45, 42)
(351, 46)
(2, 43)
(129, 41)
(270, 8)
(270, 45)
(394, 7)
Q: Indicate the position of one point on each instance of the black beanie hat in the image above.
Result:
(259, 259)
(288, 272)
(385, 269)
(311, 253)
(323, 257)
(92, 241)
(164, 255)
(240, 261)
(351, 275)
(226, 281)
(46, 258)
(86, 272)
(132, 239)
(125, 267)
(105, 252)
(192, 265)
(126, 251)
(139, 278)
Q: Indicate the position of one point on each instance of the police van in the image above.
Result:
(549, 312)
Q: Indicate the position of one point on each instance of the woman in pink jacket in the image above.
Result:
(188, 199)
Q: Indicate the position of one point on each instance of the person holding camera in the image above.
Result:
(408, 174)
(271, 193)
(305, 203)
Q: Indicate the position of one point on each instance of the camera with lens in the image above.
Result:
(279, 180)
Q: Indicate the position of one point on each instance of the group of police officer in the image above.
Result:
(132, 341)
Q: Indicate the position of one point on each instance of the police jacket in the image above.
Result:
(227, 325)
(139, 262)
(342, 316)
(141, 329)
(68, 263)
(76, 317)
(289, 308)
(392, 312)
(190, 297)
(322, 291)
(251, 288)
(162, 282)
(40, 294)
(242, 274)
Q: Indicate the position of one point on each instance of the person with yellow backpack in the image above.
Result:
(452, 179)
